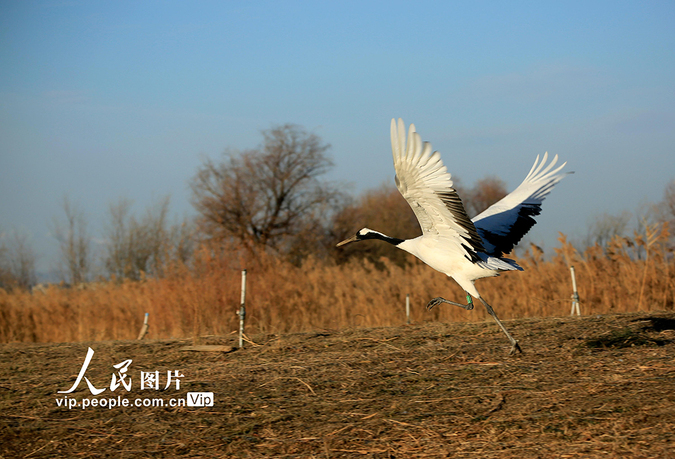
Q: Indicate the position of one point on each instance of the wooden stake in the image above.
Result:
(575, 295)
(407, 308)
(144, 328)
(242, 309)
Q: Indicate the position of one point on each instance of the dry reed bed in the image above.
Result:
(629, 275)
(590, 387)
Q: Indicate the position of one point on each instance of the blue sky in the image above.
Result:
(102, 100)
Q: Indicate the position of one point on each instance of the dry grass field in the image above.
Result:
(590, 387)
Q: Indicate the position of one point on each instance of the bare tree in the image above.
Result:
(182, 241)
(669, 200)
(74, 244)
(604, 227)
(661, 213)
(6, 278)
(267, 197)
(117, 258)
(154, 237)
(133, 245)
(17, 262)
(138, 247)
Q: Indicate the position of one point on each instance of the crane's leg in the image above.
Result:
(514, 344)
(439, 300)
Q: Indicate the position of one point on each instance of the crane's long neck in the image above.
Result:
(383, 237)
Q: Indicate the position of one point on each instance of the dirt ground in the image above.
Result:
(600, 386)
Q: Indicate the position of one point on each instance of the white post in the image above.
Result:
(242, 309)
(575, 295)
(407, 309)
(144, 328)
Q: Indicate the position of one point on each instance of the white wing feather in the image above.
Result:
(425, 183)
(504, 223)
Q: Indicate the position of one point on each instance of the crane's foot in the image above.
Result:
(438, 300)
(435, 302)
(515, 347)
(514, 344)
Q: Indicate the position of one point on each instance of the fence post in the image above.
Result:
(144, 328)
(575, 295)
(242, 309)
(407, 308)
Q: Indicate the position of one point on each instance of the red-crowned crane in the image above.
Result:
(452, 243)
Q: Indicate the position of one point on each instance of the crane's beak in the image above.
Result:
(347, 241)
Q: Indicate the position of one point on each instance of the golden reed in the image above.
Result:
(630, 274)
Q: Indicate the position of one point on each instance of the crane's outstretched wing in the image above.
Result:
(502, 225)
(425, 183)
